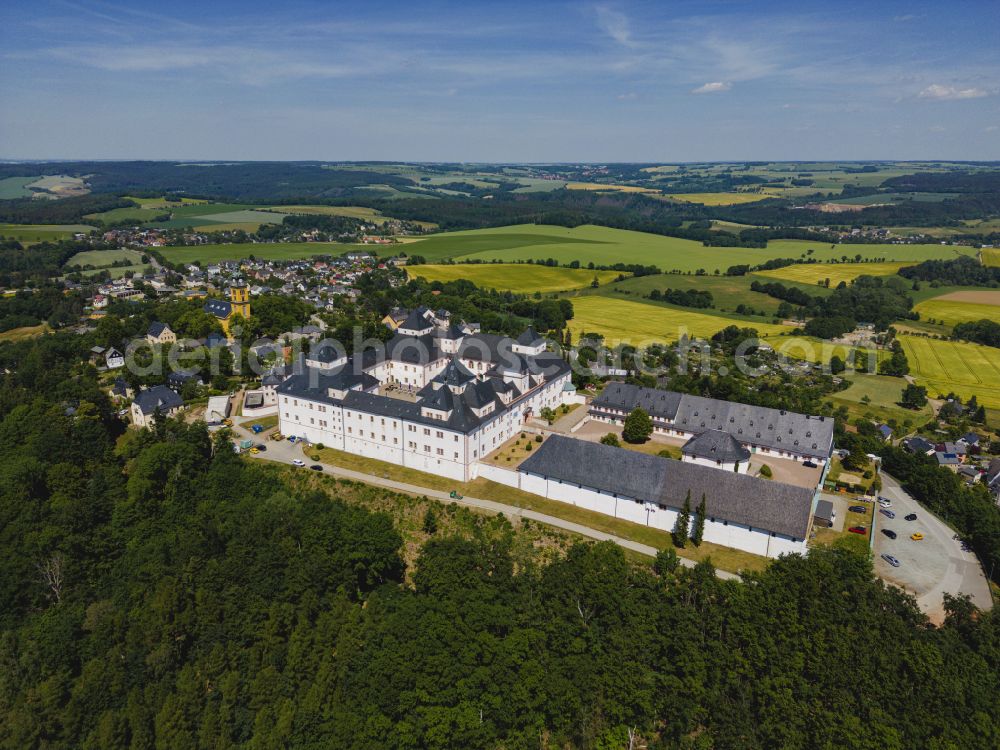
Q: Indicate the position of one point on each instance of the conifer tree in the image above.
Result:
(683, 524)
(699, 523)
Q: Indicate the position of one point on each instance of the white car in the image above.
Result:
(885, 502)
(298, 462)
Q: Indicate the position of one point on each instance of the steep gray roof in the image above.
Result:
(775, 429)
(737, 498)
(824, 510)
(529, 337)
(716, 445)
(656, 403)
(158, 397)
(156, 328)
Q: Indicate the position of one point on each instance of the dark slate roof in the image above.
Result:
(220, 308)
(656, 403)
(737, 498)
(530, 337)
(716, 445)
(120, 387)
(312, 383)
(918, 445)
(158, 397)
(454, 374)
(757, 425)
(947, 459)
(824, 510)
(325, 352)
(885, 430)
(970, 438)
(156, 328)
(416, 321)
(413, 349)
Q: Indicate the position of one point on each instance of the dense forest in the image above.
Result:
(158, 591)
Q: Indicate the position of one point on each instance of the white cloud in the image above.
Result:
(627, 95)
(940, 92)
(714, 87)
(991, 128)
(615, 25)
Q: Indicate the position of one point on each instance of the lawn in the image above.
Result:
(16, 187)
(991, 256)
(606, 246)
(720, 199)
(959, 307)
(620, 320)
(104, 258)
(132, 213)
(516, 277)
(954, 366)
(265, 250)
(723, 558)
(727, 291)
(29, 234)
(813, 273)
(24, 332)
(882, 392)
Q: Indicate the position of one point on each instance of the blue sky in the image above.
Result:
(500, 81)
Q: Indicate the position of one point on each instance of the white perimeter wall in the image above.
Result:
(733, 535)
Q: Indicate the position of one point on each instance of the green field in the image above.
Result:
(952, 311)
(265, 250)
(516, 277)
(727, 291)
(102, 260)
(991, 256)
(354, 212)
(15, 187)
(953, 366)
(883, 393)
(620, 320)
(719, 199)
(813, 273)
(881, 198)
(29, 234)
(132, 213)
(606, 246)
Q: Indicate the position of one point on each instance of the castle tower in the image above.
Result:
(239, 296)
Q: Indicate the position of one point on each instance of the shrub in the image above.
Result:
(765, 471)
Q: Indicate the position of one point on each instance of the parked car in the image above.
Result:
(298, 462)
(858, 509)
(292, 438)
(911, 516)
(810, 464)
(891, 560)
(916, 536)
(316, 467)
(889, 533)
(858, 530)
(277, 436)
(886, 512)
(257, 429)
(884, 502)
(254, 450)
(261, 447)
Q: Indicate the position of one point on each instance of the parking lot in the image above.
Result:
(930, 567)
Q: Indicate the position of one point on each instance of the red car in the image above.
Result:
(858, 530)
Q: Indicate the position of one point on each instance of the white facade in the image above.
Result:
(418, 434)
(758, 541)
(739, 467)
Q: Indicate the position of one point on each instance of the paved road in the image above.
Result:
(930, 567)
(284, 452)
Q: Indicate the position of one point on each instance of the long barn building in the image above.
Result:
(761, 430)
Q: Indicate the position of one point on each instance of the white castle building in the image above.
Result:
(453, 396)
